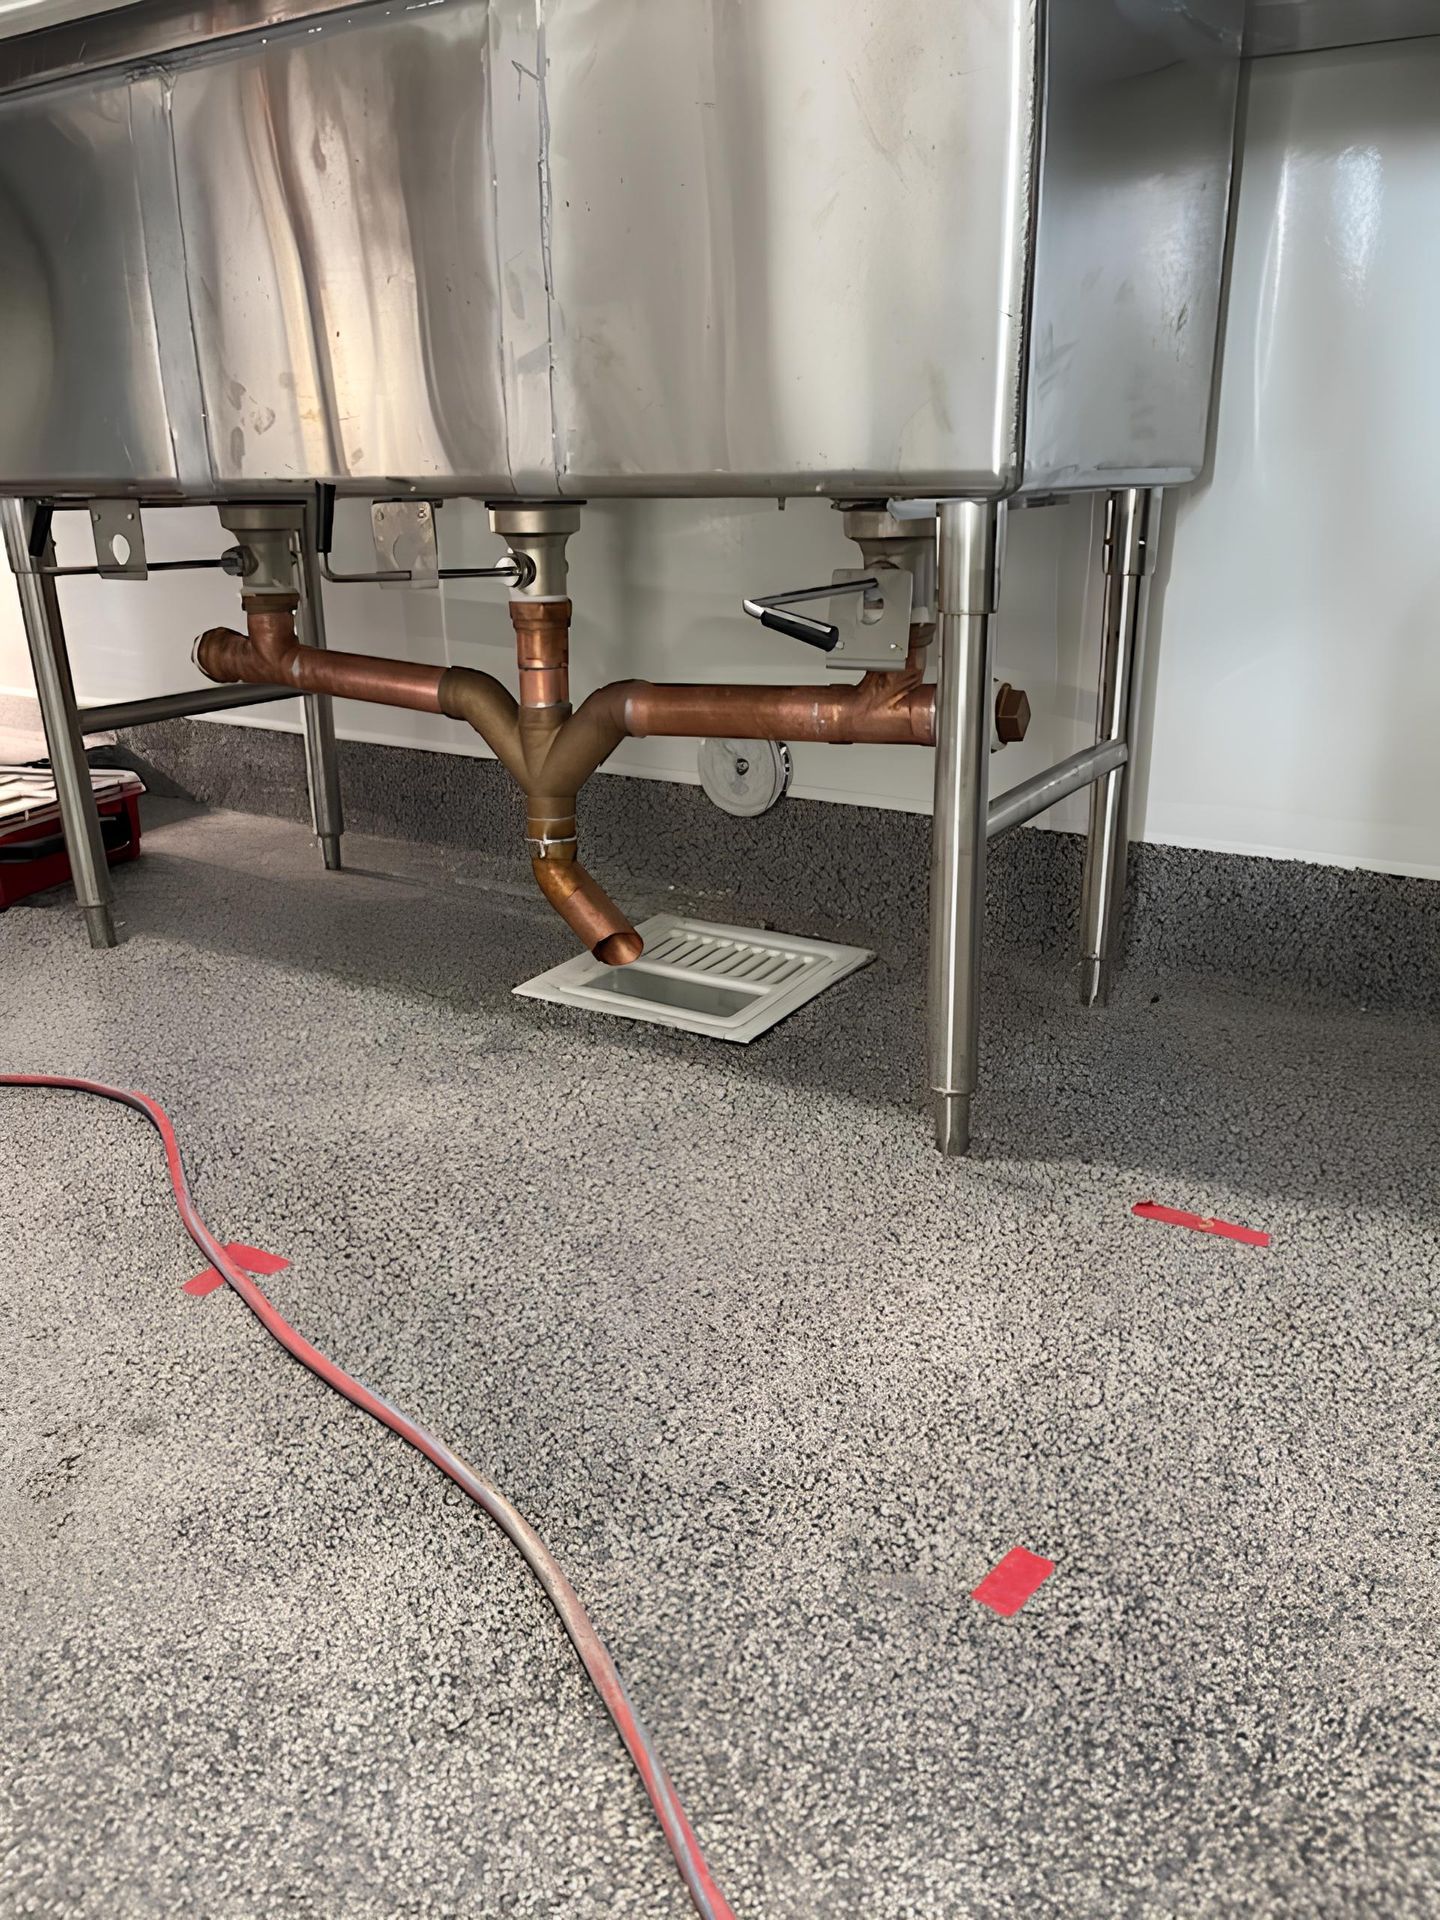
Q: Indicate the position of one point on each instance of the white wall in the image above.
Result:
(1293, 685)
(1296, 688)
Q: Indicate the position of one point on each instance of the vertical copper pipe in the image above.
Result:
(542, 651)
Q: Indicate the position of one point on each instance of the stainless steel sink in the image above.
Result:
(579, 247)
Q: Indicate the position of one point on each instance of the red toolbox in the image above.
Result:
(32, 847)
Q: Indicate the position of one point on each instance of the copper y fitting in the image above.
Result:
(482, 703)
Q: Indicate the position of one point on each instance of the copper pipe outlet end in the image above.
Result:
(588, 911)
(222, 654)
(619, 949)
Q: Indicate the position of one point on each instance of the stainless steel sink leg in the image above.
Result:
(968, 586)
(1132, 536)
(322, 766)
(55, 690)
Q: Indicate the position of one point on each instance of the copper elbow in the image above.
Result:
(588, 911)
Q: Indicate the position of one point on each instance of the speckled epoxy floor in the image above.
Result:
(777, 1384)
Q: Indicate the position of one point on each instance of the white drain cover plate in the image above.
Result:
(733, 983)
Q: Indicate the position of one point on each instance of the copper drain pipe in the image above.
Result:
(528, 739)
(269, 651)
(550, 751)
(520, 738)
(894, 708)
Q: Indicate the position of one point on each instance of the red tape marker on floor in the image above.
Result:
(1197, 1223)
(1007, 1587)
(252, 1259)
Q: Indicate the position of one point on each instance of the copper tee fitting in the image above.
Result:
(269, 652)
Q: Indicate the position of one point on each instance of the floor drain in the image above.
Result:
(732, 983)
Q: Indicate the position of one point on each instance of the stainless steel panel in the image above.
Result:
(1303, 26)
(86, 260)
(787, 243)
(523, 202)
(618, 246)
(338, 210)
(45, 40)
(30, 16)
(1134, 200)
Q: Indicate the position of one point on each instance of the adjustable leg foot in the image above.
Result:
(100, 925)
(952, 1124)
(1094, 982)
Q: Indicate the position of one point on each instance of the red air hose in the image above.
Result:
(699, 1882)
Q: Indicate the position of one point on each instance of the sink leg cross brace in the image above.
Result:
(971, 540)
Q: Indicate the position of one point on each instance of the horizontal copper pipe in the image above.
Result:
(883, 708)
(224, 655)
(588, 911)
(874, 712)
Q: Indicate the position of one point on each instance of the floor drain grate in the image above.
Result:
(732, 983)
